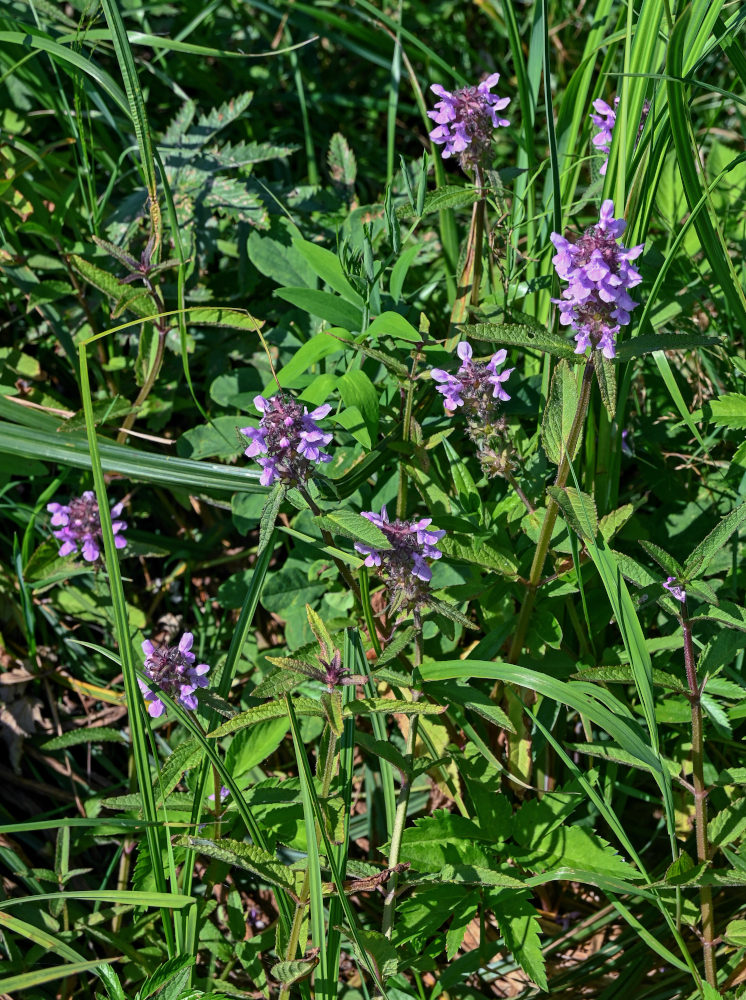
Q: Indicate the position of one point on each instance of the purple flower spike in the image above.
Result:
(604, 120)
(466, 119)
(173, 670)
(403, 565)
(675, 589)
(79, 526)
(475, 386)
(596, 302)
(288, 441)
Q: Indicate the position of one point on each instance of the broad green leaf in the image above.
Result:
(520, 930)
(328, 267)
(104, 281)
(448, 196)
(613, 522)
(332, 308)
(726, 613)
(474, 875)
(479, 550)
(187, 754)
(168, 980)
(392, 324)
(728, 410)
(431, 843)
(380, 952)
(578, 510)
(373, 706)
(320, 346)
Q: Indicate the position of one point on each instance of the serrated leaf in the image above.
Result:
(708, 548)
(735, 933)
(376, 706)
(268, 518)
(293, 972)
(728, 410)
(647, 343)
(168, 979)
(140, 305)
(212, 700)
(401, 639)
(247, 856)
(342, 165)
(465, 911)
(624, 674)
(520, 929)
(519, 335)
(606, 378)
(278, 681)
(332, 702)
(578, 510)
(450, 611)
(351, 525)
(726, 613)
(186, 755)
(559, 415)
(433, 841)
(260, 713)
(610, 524)
(476, 875)
(90, 734)
(224, 317)
(380, 951)
(664, 560)
(448, 196)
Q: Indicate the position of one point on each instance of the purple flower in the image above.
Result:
(675, 589)
(466, 119)
(288, 440)
(475, 386)
(596, 302)
(224, 793)
(604, 120)
(403, 565)
(173, 670)
(79, 526)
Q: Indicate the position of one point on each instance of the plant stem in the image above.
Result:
(401, 499)
(146, 386)
(402, 803)
(700, 797)
(550, 517)
(343, 570)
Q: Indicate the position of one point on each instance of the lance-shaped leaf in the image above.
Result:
(246, 856)
(606, 378)
(728, 614)
(559, 414)
(449, 610)
(649, 342)
(709, 547)
(351, 525)
(578, 510)
(261, 713)
(372, 706)
(277, 681)
(380, 952)
(288, 973)
(448, 196)
(270, 510)
(664, 560)
(519, 335)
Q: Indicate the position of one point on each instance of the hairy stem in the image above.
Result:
(402, 803)
(471, 276)
(550, 517)
(700, 798)
(401, 499)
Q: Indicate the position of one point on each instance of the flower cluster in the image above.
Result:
(288, 440)
(596, 302)
(403, 565)
(466, 119)
(604, 120)
(79, 526)
(475, 386)
(173, 669)
(675, 589)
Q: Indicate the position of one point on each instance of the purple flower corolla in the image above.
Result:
(79, 526)
(224, 793)
(675, 589)
(412, 542)
(596, 302)
(604, 120)
(288, 440)
(173, 669)
(475, 386)
(466, 119)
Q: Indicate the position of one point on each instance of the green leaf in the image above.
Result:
(433, 841)
(277, 682)
(373, 706)
(252, 746)
(324, 305)
(560, 412)
(392, 324)
(728, 410)
(187, 754)
(519, 335)
(735, 933)
(105, 282)
(708, 548)
(327, 266)
(293, 972)
(447, 196)
(269, 515)
(247, 856)
(342, 165)
(606, 378)
(91, 734)
(664, 560)
(351, 525)
(380, 952)
(480, 551)
(320, 346)
(520, 929)
(474, 875)
(578, 510)
(647, 343)
(726, 613)
(612, 523)
(168, 980)
(261, 713)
